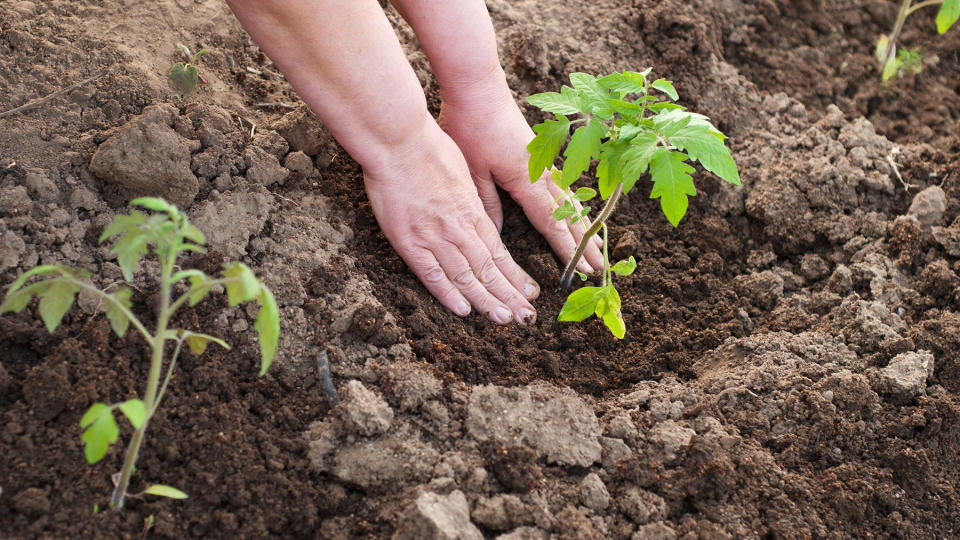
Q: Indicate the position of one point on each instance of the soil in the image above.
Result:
(791, 366)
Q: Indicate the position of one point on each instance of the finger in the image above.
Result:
(510, 283)
(428, 270)
(462, 276)
(538, 204)
(487, 191)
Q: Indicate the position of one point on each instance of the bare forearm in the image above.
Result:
(459, 40)
(344, 60)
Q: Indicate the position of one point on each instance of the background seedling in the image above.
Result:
(166, 233)
(628, 137)
(894, 63)
(184, 76)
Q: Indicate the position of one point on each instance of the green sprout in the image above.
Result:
(894, 63)
(166, 233)
(184, 76)
(628, 137)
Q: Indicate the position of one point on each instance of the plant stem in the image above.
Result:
(897, 27)
(607, 278)
(922, 5)
(153, 381)
(594, 228)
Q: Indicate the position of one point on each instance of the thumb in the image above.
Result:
(487, 191)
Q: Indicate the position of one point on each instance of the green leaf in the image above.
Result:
(948, 15)
(129, 249)
(243, 285)
(881, 47)
(268, 326)
(625, 268)
(135, 411)
(45, 269)
(609, 168)
(17, 301)
(545, 147)
(123, 224)
(564, 211)
(891, 67)
(584, 146)
(580, 304)
(706, 145)
(584, 194)
(628, 82)
(670, 121)
(625, 108)
(118, 317)
(666, 87)
(101, 432)
(567, 101)
(157, 205)
(594, 97)
(183, 78)
(635, 159)
(55, 301)
(672, 183)
(200, 53)
(614, 321)
(192, 233)
(199, 288)
(198, 342)
(161, 490)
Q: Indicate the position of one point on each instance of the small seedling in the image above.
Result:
(166, 233)
(628, 137)
(184, 76)
(893, 62)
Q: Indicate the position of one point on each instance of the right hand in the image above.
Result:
(428, 207)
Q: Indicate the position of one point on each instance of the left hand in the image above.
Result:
(493, 135)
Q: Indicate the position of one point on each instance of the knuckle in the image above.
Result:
(434, 275)
(464, 279)
(488, 272)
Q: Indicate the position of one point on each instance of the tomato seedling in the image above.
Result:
(893, 62)
(166, 233)
(628, 137)
(184, 76)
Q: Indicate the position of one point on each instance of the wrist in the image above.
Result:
(478, 86)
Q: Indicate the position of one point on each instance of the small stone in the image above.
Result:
(929, 206)
(642, 506)
(763, 289)
(905, 377)
(300, 163)
(438, 517)
(841, 281)
(671, 438)
(499, 513)
(272, 142)
(362, 412)
(593, 494)
(938, 280)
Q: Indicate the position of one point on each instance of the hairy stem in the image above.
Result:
(594, 228)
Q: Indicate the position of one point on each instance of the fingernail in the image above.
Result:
(527, 316)
(585, 267)
(462, 309)
(502, 315)
(530, 290)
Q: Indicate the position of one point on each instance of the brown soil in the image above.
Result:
(751, 398)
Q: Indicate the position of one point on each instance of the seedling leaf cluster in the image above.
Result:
(629, 125)
(896, 62)
(165, 233)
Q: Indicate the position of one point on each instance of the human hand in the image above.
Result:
(427, 206)
(492, 133)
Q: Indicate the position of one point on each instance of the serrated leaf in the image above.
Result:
(672, 183)
(183, 78)
(564, 211)
(624, 108)
(625, 268)
(17, 301)
(584, 194)
(666, 87)
(156, 204)
(545, 147)
(665, 106)
(38, 270)
(634, 161)
(628, 82)
(135, 411)
(584, 146)
(199, 289)
(670, 121)
(567, 101)
(123, 223)
(948, 15)
(55, 301)
(268, 326)
(118, 317)
(198, 342)
(161, 490)
(101, 432)
(593, 96)
(580, 304)
(129, 249)
(608, 169)
(192, 233)
(706, 146)
(243, 285)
